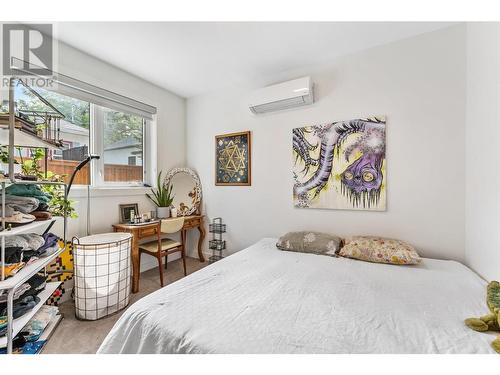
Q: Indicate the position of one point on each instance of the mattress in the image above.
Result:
(264, 300)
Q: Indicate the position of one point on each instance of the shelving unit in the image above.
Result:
(216, 244)
(10, 285)
(19, 323)
(27, 227)
(26, 272)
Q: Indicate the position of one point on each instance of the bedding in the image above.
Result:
(379, 250)
(310, 242)
(263, 300)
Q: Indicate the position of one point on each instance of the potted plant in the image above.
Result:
(4, 161)
(162, 197)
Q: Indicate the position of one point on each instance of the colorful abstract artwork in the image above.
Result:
(233, 159)
(340, 165)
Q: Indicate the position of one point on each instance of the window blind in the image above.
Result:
(75, 88)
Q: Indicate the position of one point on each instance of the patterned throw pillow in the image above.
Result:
(310, 242)
(379, 250)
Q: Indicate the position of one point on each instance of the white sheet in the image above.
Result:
(263, 300)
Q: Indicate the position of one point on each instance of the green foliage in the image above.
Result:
(4, 154)
(120, 126)
(58, 206)
(31, 167)
(162, 197)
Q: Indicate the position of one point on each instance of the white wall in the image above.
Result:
(418, 83)
(482, 251)
(170, 137)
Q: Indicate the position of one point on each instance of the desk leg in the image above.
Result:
(135, 263)
(201, 229)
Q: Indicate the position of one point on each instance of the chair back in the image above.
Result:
(172, 225)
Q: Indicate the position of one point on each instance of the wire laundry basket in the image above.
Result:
(102, 274)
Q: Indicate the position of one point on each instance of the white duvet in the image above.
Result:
(263, 300)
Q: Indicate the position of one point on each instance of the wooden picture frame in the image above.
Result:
(125, 210)
(233, 159)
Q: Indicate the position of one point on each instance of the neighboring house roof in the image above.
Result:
(69, 128)
(129, 142)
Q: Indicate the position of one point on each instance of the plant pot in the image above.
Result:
(162, 212)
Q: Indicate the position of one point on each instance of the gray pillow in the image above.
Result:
(310, 242)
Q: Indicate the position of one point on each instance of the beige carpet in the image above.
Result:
(75, 336)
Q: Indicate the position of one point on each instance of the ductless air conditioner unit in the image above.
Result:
(290, 94)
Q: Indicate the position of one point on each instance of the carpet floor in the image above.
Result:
(74, 336)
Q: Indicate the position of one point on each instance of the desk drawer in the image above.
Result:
(146, 232)
(192, 223)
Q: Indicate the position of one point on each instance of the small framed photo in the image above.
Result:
(126, 212)
(233, 166)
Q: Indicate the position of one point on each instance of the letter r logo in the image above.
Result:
(29, 46)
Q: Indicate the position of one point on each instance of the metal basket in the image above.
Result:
(102, 274)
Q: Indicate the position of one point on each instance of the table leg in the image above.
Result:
(135, 263)
(201, 229)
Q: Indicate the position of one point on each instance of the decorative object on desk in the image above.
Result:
(162, 197)
(340, 165)
(187, 198)
(127, 212)
(102, 274)
(173, 212)
(216, 244)
(233, 159)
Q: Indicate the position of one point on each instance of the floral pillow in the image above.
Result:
(379, 250)
(310, 242)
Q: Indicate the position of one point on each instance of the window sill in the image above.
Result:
(108, 191)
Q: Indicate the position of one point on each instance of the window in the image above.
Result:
(74, 129)
(122, 136)
(119, 138)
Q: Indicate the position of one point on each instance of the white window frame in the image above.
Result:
(97, 147)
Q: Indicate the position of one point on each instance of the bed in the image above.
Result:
(264, 300)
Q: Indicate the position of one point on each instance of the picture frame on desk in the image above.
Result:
(126, 210)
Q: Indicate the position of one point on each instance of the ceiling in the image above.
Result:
(192, 58)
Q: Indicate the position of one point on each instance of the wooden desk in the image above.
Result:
(147, 230)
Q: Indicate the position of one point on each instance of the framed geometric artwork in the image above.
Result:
(233, 165)
(340, 165)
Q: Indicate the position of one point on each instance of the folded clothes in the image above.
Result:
(36, 284)
(9, 211)
(19, 203)
(18, 293)
(19, 218)
(39, 322)
(12, 269)
(41, 215)
(13, 254)
(33, 191)
(28, 241)
(50, 241)
(21, 307)
(42, 206)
